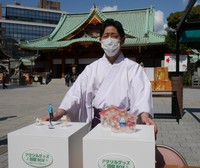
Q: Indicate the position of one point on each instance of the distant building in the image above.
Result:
(48, 4)
(26, 23)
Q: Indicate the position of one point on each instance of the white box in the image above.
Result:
(39, 146)
(103, 148)
(150, 73)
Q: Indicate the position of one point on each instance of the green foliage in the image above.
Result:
(174, 18)
(170, 41)
(187, 76)
(195, 13)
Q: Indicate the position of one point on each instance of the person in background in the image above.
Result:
(4, 79)
(67, 79)
(48, 77)
(112, 80)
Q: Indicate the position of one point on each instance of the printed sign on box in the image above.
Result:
(115, 160)
(170, 62)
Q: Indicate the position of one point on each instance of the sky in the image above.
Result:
(162, 8)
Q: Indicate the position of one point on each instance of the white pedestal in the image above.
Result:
(103, 148)
(39, 146)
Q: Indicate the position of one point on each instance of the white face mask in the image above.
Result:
(110, 46)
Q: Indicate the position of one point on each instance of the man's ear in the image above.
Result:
(122, 40)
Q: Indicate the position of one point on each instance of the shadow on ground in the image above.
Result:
(3, 141)
(16, 86)
(5, 118)
(3, 145)
(192, 111)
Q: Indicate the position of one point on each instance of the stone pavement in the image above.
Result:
(21, 105)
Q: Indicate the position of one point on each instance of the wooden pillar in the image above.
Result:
(177, 85)
(50, 64)
(63, 67)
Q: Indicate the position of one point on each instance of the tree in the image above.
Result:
(174, 18)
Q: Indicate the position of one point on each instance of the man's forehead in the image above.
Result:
(111, 31)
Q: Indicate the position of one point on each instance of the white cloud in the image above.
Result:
(159, 25)
(110, 8)
(197, 3)
(185, 2)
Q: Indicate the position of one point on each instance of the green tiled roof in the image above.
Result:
(45, 44)
(138, 26)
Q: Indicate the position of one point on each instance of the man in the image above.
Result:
(113, 80)
(4, 81)
(67, 79)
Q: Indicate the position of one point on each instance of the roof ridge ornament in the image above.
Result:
(94, 8)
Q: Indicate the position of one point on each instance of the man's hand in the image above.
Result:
(146, 118)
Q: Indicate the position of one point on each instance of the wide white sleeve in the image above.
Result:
(74, 100)
(140, 92)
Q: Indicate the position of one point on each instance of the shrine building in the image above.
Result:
(74, 43)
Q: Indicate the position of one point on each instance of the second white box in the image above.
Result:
(103, 148)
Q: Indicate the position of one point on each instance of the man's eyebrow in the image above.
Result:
(111, 33)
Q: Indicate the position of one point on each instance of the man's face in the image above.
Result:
(111, 32)
(112, 47)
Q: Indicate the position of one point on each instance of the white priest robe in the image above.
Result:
(123, 84)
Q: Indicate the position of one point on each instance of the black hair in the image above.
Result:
(114, 23)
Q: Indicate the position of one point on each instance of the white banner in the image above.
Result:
(170, 62)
